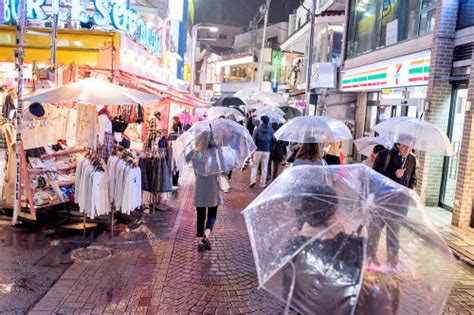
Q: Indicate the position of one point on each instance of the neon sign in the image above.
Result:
(117, 14)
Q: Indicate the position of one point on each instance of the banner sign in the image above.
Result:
(409, 70)
(105, 13)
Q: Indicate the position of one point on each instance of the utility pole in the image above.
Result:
(309, 71)
(19, 59)
(262, 52)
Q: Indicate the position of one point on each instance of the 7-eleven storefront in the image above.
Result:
(394, 87)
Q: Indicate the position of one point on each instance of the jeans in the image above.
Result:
(260, 157)
(201, 219)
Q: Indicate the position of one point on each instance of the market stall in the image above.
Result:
(53, 165)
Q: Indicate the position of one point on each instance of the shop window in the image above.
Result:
(375, 24)
(465, 14)
(223, 36)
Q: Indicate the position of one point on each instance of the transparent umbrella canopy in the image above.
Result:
(347, 240)
(416, 133)
(94, 91)
(231, 113)
(270, 110)
(272, 99)
(366, 145)
(313, 129)
(214, 146)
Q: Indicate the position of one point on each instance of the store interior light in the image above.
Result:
(360, 9)
(367, 14)
(365, 1)
(213, 29)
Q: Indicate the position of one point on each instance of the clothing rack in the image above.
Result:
(130, 159)
(156, 196)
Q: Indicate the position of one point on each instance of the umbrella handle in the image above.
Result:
(292, 289)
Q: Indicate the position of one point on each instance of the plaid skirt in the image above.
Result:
(106, 149)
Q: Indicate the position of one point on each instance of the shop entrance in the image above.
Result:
(455, 131)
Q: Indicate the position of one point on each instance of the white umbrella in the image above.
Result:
(228, 112)
(246, 96)
(366, 145)
(313, 129)
(416, 133)
(272, 99)
(270, 110)
(94, 91)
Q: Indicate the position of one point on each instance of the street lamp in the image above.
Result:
(196, 28)
(264, 9)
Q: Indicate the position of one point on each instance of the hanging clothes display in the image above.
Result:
(106, 139)
(86, 129)
(156, 174)
(91, 187)
(3, 156)
(125, 182)
(155, 127)
(9, 175)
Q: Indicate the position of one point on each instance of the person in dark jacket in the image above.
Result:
(277, 154)
(262, 137)
(398, 164)
(250, 121)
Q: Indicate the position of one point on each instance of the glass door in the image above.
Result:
(455, 131)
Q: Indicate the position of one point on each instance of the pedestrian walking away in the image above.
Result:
(262, 137)
(398, 164)
(309, 154)
(278, 153)
(207, 194)
(333, 153)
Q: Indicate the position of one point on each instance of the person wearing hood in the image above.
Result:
(262, 137)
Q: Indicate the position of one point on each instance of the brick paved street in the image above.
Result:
(157, 269)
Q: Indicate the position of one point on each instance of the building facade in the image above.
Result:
(414, 58)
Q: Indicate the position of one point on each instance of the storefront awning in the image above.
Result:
(165, 90)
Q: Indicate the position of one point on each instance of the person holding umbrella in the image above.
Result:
(262, 137)
(309, 154)
(399, 165)
(207, 194)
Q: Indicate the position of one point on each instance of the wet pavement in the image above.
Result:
(32, 258)
(156, 269)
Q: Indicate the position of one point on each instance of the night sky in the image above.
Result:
(240, 12)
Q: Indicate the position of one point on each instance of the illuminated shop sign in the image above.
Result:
(117, 14)
(411, 70)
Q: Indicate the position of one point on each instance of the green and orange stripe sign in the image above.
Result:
(397, 74)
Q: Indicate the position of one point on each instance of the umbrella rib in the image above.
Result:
(290, 257)
(392, 239)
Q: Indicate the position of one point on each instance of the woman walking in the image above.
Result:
(309, 154)
(207, 194)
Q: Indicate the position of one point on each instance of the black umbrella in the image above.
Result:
(229, 101)
(291, 112)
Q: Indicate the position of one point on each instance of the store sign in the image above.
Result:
(106, 13)
(411, 70)
(323, 75)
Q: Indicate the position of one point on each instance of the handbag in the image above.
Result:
(223, 182)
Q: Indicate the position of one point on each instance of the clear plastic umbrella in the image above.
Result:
(272, 99)
(228, 112)
(416, 133)
(365, 145)
(347, 240)
(214, 146)
(274, 118)
(270, 110)
(313, 129)
(94, 91)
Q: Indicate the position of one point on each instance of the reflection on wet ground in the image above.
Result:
(32, 257)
